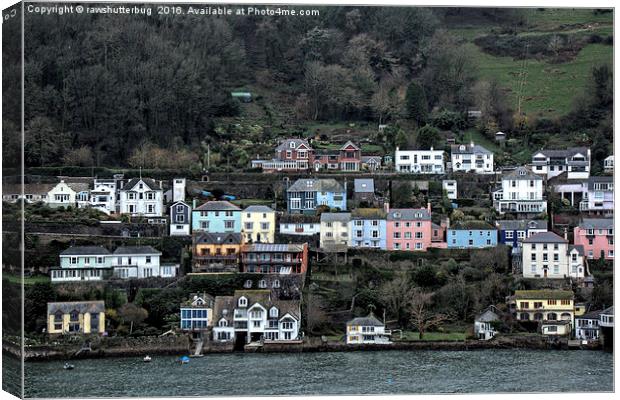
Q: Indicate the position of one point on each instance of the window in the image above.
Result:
(256, 324)
(509, 234)
(276, 283)
(73, 260)
(243, 302)
(148, 259)
(524, 304)
(418, 235)
(229, 224)
(287, 325)
(552, 302)
(273, 312)
(262, 284)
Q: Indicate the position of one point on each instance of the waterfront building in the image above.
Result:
(367, 330)
(606, 325)
(483, 323)
(216, 252)
(409, 229)
(598, 198)
(274, 258)
(216, 217)
(471, 157)
(76, 317)
(300, 224)
(574, 161)
(305, 195)
(259, 316)
(367, 228)
(547, 255)
(587, 326)
(197, 312)
(258, 224)
(223, 323)
(142, 197)
(521, 193)
(513, 232)
(471, 235)
(546, 306)
(596, 235)
(180, 219)
(335, 231)
(420, 161)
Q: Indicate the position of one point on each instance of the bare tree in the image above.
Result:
(396, 294)
(131, 313)
(422, 317)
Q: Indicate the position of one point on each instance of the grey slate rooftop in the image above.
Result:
(150, 183)
(81, 307)
(408, 214)
(364, 185)
(521, 224)
(522, 173)
(217, 238)
(545, 237)
(335, 217)
(476, 149)
(285, 145)
(215, 205)
(258, 208)
(135, 250)
(85, 251)
(316, 185)
(370, 320)
(597, 223)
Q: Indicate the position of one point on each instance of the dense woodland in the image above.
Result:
(123, 90)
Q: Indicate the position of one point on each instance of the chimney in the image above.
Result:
(193, 204)
(161, 184)
(432, 148)
(397, 149)
(386, 206)
(428, 207)
(471, 144)
(565, 234)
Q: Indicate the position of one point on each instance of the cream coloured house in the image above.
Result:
(258, 224)
(547, 255)
(75, 317)
(335, 231)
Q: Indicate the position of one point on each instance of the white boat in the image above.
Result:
(68, 366)
(146, 359)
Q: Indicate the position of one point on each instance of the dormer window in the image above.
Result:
(223, 323)
(462, 147)
(243, 302)
(276, 283)
(262, 284)
(396, 215)
(247, 284)
(292, 145)
(522, 172)
(273, 312)
(200, 302)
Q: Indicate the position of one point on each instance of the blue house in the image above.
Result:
(217, 217)
(512, 232)
(305, 195)
(368, 228)
(471, 235)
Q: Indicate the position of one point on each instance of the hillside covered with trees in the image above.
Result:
(154, 92)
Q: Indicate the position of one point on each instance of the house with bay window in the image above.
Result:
(552, 308)
(216, 217)
(596, 235)
(305, 195)
(216, 252)
(587, 326)
(290, 155)
(522, 192)
(142, 197)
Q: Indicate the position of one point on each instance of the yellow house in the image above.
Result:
(555, 309)
(76, 317)
(216, 252)
(258, 224)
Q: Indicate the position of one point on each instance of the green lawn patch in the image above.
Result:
(430, 336)
(28, 280)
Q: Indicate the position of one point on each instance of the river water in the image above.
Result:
(385, 372)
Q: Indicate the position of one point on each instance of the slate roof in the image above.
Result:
(29, 188)
(578, 247)
(150, 183)
(273, 248)
(335, 217)
(476, 149)
(599, 179)
(261, 296)
(209, 300)
(316, 185)
(590, 315)
(488, 314)
(285, 145)
(563, 152)
(258, 209)
(368, 213)
(217, 205)
(224, 307)
(545, 237)
(85, 251)
(408, 214)
(217, 238)
(471, 225)
(521, 224)
(367, 159)
(135, 250)
(597, 223)
(300, 219)
(608, 311)
(370, 320)
(284, 307)
(78, 187)
(364, 185)
(349, 143)
(82, 307)
(522, 173)
(544, 294)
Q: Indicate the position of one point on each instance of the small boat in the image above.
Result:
(146, 359)
(184, 360)
(68, 366)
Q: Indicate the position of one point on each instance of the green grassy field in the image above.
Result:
(448, 336)
(550, 88)
(29, 280)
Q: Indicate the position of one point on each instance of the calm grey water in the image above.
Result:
(388, 372)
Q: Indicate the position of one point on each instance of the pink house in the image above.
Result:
(408, 229)
(596, 235)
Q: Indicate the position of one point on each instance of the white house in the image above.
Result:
(142, 197)
(451, 188)
(32, 192)
(607, 318)
(178, 189)
(300, 224)
(471, 157)
(256, 316)
(587, 326)
(64, 195)
(420, 161)
(483, 327)
(180, 219)
(575, 161)
(521, 192)
(103, 198)
(367, 330)
(608, 164)
(547, 255)
(140, 262)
